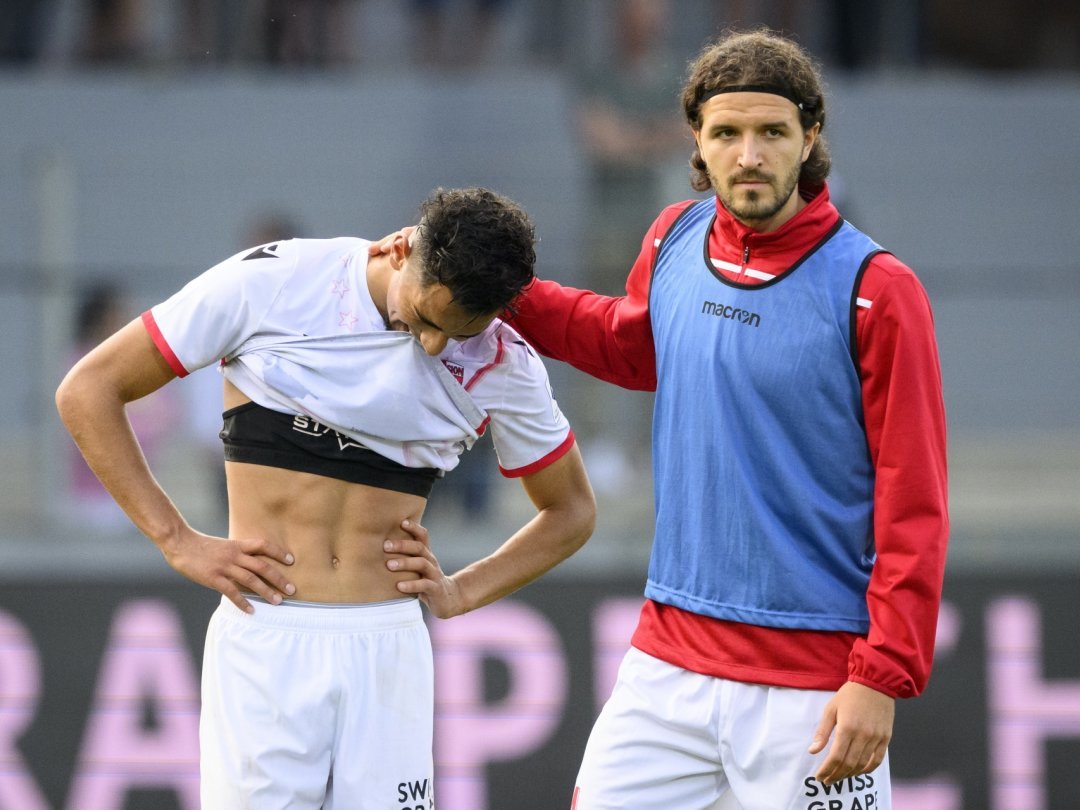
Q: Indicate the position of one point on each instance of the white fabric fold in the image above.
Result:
(378, 388)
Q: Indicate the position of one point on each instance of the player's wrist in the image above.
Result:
(458, 597)
(171, 538)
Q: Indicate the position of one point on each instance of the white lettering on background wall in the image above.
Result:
(20, 688)
(1025, 709)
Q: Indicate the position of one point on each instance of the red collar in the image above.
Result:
(791, 240)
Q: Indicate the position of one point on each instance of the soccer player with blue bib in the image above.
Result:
(799, 461)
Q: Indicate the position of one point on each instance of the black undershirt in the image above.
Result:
(253, 434)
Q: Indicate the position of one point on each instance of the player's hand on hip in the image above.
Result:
(861, 722)
(413, 553)
(233, 567)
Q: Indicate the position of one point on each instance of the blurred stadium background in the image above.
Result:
(145, 140)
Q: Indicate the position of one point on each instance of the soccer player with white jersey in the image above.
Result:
(351, 383)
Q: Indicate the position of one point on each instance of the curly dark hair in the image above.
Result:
(478, 244)
(762, 58)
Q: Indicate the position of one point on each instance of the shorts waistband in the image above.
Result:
(327, 616)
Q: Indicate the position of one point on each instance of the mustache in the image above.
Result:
(753, 175)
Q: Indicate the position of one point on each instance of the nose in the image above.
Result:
(433, 341)
(749, 155)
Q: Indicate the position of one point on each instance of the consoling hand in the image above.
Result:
(439, 592)
(380, 246)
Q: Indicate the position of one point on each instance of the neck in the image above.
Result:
(378, 279)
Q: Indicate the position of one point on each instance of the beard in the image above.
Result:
(757, 205)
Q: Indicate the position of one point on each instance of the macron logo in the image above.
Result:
(743, 316)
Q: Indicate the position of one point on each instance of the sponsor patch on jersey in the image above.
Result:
(456, 370)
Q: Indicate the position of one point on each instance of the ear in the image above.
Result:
(809, 139)
(400, 249)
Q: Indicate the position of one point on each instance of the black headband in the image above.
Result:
(773, 89)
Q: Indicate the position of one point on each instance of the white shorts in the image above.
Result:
(317, 706)
(669, 738)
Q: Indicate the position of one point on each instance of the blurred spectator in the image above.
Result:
(310, 33)
(288, 33)
(855, 40)
(214, 32)
(636, 147)
(631, 129)
(455, 33)
(302, 33)
(779, 15)
(101, 310)
(846, 33)
(22, 29)
(869, 34)
(1006, 34)
(114, 31)
(551, 31)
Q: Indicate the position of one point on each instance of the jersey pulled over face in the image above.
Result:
(428, 312)
(300, 327)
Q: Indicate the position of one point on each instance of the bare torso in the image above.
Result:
(334, 529)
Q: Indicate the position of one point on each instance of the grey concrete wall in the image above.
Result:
(163, 173)
(972, 181)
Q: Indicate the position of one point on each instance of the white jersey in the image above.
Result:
(295, 328)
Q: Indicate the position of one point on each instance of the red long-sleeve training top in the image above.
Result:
(611, 338)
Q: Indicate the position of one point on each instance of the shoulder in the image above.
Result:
(272, 258)
(887, 266)
(886, 275)
(662, 224)
(892, 295)
(303, 260)
(498, 345)
(668, 216)
(311, 252)
(513, 349)
(496, 358)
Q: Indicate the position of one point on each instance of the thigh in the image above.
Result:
(653, 747)
(383, 752)
(266, 728)
(765, 734)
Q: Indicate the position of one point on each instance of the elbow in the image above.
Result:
(589, 520)
(570, 524)
(75, 399)
(582, 522)
(67, 399)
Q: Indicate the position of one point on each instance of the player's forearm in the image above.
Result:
(94, 413)
(607, 337)
(548, 539)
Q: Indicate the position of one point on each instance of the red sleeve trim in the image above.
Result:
(163, 345)
(546, 461)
